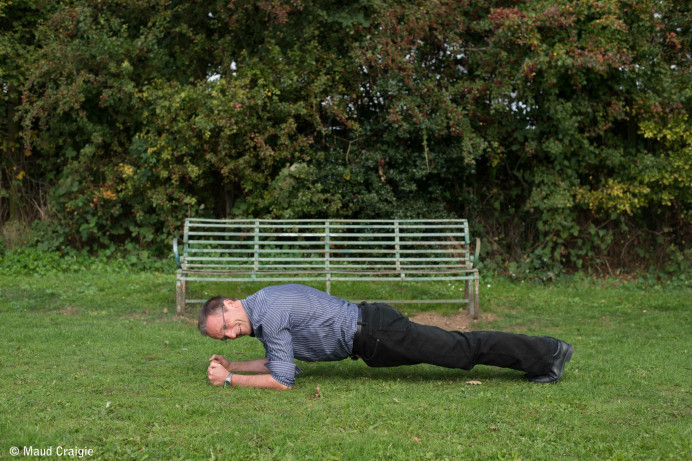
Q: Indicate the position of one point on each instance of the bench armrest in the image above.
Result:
(477, 253)
(175, 253)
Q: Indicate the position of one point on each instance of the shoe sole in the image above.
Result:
(568, 357)
(569, 353)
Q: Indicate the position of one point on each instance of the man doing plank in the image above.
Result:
(299, 322)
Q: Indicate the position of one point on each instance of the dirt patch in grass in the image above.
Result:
(134, 315)
(461, 321)
(187, 320)
(66, 310)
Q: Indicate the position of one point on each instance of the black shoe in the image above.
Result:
(562, 355)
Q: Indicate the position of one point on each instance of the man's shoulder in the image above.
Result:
(291, 289)
(294, 300)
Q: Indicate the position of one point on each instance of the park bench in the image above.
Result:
(309, 250)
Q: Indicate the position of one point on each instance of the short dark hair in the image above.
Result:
(211, 307)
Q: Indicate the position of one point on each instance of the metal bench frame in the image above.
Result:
(288, 251)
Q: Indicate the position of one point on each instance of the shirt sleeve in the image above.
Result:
(278, 344)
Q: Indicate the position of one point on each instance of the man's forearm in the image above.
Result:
(249, 366)
(263, 381)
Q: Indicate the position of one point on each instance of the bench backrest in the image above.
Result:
(262, 249)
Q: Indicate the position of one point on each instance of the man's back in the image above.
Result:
(318, 326)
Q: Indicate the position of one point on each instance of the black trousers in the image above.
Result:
(389, 339)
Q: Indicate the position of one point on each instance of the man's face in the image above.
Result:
(230, 323)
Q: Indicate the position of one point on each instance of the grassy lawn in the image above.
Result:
(99, 360)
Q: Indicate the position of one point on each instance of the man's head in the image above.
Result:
(223, 318)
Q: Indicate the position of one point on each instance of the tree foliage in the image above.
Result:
(561, 128)
(19, 196)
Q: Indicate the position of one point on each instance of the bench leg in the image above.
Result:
(467, 294)
(180, 287)
(471, 295)
(475, 297)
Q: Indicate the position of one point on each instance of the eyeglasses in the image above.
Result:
(223, 317)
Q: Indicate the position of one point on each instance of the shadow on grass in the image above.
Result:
(426, 373)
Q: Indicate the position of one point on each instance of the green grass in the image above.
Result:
(93, 359)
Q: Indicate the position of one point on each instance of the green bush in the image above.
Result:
(28, 261)
(560, 129)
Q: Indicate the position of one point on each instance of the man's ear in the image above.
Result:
(231, 304)
(228, 303)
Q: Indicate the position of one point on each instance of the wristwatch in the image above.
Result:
(227, 381)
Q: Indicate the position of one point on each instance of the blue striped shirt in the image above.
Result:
(296, 321)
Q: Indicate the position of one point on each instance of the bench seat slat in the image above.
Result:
(321, 243)
(340, 259)
(387, 301)
(324, 251)
(316, 271)
(291, 278)
(332, 222)
(389, 233)
(323, 268)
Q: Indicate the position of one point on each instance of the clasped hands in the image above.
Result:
(218, 370)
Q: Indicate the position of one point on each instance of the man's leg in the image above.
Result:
(390, 339)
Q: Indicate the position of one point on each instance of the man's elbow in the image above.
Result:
(282, 387)
(276, 385)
